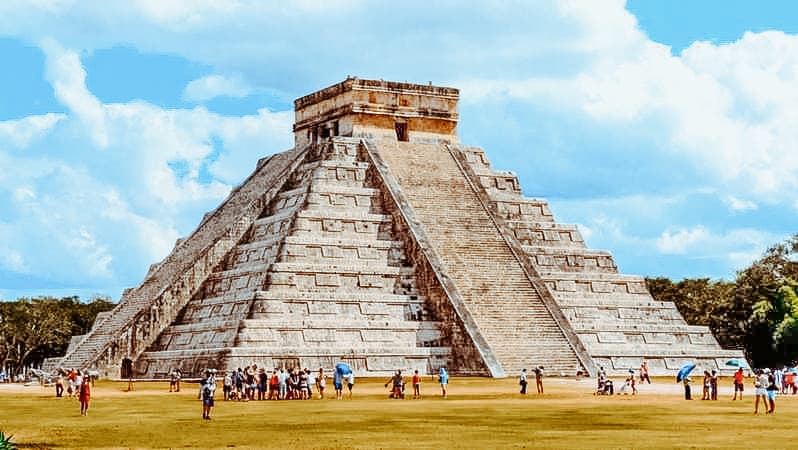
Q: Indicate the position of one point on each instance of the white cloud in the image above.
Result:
(13, 260)
(211, 86)
(739, 205)
(681, 241)
(68, 78)
(22, 131)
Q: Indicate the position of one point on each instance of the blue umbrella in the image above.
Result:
(684, 371)
(343, 368)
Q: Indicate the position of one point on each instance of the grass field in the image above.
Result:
(479, 413)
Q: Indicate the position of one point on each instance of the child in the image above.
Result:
(350, 382)
(416, 385)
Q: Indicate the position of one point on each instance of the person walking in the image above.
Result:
(59, 385)
(705, 392)
(350, 383)
(321, 383)
(686, 382)
(760, 385)
(739, 377)
(539, 379)
(772, 388)
(416, 385)
(206, 394)
(644, 373)
(443, 379)
(713, 385)
(522, 381)
(84, 394)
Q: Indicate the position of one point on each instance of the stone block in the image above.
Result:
(601, 286)
(323, 308)
(368, 281)
(611, 337)
(659, 338)
(319, 335)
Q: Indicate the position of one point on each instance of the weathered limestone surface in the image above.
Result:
(380, 239)
(615, 317)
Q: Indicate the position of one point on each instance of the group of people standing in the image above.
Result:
(252, 383)
(538, 380)
(79, 384)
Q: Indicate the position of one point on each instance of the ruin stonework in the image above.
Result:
(381, 239)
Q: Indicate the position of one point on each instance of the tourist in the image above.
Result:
(249, 379)
(282, 384)
(311, 382)
(789, 382)
(263, 383)
(601, 379)
(522, 381)
(397, 385)
(443, 379)
(303, 385)
(59, 385)
(706, 384)
(686, 382)
(72, 379)
(539, 379)
(772, 388)
(713, 385)
(739, 377)
(321, 383)
(238, 382)
(274, 386)
(208, 388)
(644, 373)
(84, 394)
(760, 385)
(227, 387)
(172, 380)
(350, 383)
(338, 382)
(416, 385)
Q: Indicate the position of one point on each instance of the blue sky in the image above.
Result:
(664, 129)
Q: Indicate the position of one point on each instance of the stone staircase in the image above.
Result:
(614, 316)
(506, 307)
(319, 276)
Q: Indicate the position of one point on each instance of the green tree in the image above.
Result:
(32, 329)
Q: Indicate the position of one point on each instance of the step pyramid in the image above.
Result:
(381, 240)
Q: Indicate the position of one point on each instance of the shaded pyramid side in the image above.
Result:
(322, 274)
(519, 328)
(145, 311)
(614, 315)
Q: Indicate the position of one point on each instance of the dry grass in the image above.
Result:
(479, 413)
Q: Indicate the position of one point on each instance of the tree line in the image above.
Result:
(757, 312)
(32, 329)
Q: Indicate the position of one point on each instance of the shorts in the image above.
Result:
(761, 391)
(350, 386)
(772, 395)
(739, 387)
(207, 401)
(338, 386)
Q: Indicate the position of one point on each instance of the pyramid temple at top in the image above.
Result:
(382, 239)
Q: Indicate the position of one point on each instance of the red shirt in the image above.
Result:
(738, 377)
(416, 379)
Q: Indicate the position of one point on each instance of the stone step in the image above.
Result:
(474, 252)
(338, 296)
